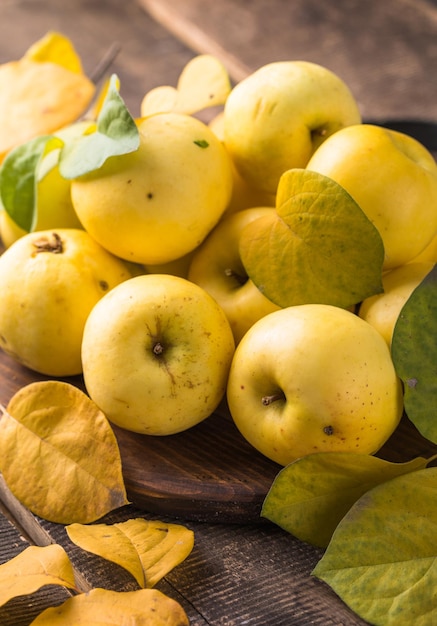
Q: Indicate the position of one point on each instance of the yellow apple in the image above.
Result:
(244, 196)
(156, 354)
(178, 267)
(313, 378)
(392, 177)
(277, 116)
(158, 203)
(382, 310)
(49, 282)
(9, 230)
(216, 266)
(428, 254)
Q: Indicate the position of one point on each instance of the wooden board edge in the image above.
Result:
(193, 37)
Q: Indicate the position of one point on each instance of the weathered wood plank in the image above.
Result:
(22, 610)
(236, 574)
(385, 51)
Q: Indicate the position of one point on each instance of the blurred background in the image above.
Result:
(385, 51)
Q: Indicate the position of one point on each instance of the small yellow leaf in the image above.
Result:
(204, 82)
(55, 48)
(100, 607)
(32, 569)
(147, 549)
(159, 100)
(38, 99)
(59, 455)
(110, 543)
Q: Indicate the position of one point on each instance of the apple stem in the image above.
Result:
(53, 245)
(232, 274)
(266, 400)
(158, 348)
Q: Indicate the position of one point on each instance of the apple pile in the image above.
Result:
(241, 258)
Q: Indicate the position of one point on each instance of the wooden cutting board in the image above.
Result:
(207, 473)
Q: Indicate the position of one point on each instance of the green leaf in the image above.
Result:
(116, 133)
(382, 557)
(309, 497)
(318, 247)
(18, 179)
(414, 354)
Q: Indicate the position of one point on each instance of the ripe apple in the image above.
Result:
(428, 254)
(9, 230)
(217, 267)
(158, 203)
(313, 378)
(156, 354)
(276, 117)
(49, 282)
(177, 267)
(392, 177)
(382, 310)
(244, 195)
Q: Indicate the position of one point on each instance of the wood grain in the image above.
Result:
(385, 51)
(208, 473)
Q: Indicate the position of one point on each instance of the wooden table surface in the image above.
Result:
(252, 574)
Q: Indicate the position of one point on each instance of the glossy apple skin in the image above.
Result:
(156, 354)
(313, 378)
(383, 309)
(157, 204)
(393, 178)
(48, 293)
(276, 117)
(216, 266)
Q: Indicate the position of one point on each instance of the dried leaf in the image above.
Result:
(56, 48)
(59, 455)
(100, 607)
(32, 569)
(382, 559)
(64, 98)
(147, 549)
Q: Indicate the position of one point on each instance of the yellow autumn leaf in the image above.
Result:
(32, 569)
(40, 95)
(56, 48)
(59, 455)
(101, 607)
(204, 82)
(147, 549)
